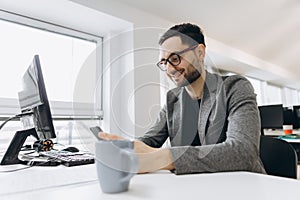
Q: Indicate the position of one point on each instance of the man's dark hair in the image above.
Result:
(189, 33)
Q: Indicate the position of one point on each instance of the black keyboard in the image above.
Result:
(69, 159)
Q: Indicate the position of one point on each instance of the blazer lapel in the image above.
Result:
(177, 120)
(207, 101)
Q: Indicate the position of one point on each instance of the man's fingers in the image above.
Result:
(102, 135)
(107, 136)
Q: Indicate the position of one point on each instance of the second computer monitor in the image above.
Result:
(271, 116)
(296, 110)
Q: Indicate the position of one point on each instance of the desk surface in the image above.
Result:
(280, 133)
(81, 183)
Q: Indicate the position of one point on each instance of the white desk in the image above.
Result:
(81, 183)
(280, 133)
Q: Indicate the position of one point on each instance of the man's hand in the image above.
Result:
(108, 136)
(150, 159)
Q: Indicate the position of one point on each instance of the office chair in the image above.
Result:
(278, 156)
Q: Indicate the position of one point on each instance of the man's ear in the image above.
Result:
(201, 51)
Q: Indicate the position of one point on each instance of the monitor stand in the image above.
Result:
(12, 153)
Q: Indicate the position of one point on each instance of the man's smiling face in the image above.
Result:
(189, 68)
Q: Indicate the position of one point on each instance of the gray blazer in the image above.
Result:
(228, 127)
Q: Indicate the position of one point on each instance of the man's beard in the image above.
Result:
(189, 78)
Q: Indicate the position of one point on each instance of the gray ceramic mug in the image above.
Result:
(116, 164)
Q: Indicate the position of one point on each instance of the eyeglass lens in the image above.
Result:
(174, 60)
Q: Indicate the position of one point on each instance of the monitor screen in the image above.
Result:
(33, 97)
(271, 116)
(288, 116)
(296, 110)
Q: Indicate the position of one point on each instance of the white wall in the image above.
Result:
(147, 29)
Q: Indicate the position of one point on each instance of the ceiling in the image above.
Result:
(268, 29)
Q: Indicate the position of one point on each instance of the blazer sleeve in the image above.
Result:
(239, 151)
(158, 132)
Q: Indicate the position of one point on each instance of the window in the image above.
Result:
(290, 96)
(64, 55)
(257, 89)
(294, 97)
(274, 95)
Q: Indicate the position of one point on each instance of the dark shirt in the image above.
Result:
(190, 120)
(196, 141)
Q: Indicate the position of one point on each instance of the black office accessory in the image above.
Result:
(288, 116)
(71, 149)
(11, 155)
(271, 117)
(33, 98)
(278, 157)
(95, 130)
(296, 111)
(43, 145)
(46, 163)
(69, 159)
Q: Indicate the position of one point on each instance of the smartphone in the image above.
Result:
(95, 130)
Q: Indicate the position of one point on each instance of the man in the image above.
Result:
(212, 121)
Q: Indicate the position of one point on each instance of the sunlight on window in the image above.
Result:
(274, 95)
(257, 89)
(291, 97)
(61, 59)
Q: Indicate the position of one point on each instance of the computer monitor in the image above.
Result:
(296, 110)
(271, 116)
(288, 116)
(33, 101)
(33, 97)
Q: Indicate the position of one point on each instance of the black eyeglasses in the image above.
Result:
(174, 59)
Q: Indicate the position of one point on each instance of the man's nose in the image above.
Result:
(171, 69)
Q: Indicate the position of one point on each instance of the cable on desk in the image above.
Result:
(18, 116)
(14, 170)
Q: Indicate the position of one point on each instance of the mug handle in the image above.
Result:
(133, 163)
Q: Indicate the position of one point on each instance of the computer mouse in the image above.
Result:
(71, 149)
